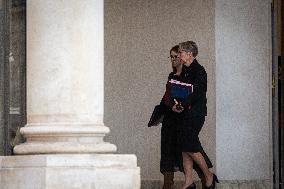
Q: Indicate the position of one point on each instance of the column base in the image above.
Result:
(63, 148)
(64, 138)
(87, 171)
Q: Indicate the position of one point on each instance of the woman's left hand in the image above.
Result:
(177, 107)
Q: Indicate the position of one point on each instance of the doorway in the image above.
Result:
(277, 92)
(13, 73)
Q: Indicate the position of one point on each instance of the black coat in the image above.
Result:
(195, 74)
(196, 104)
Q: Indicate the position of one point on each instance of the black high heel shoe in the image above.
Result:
(215, 180)
(192, 186)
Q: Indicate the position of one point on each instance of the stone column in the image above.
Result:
(65, 89)
(65, 78)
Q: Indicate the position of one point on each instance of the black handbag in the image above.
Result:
(157, 116)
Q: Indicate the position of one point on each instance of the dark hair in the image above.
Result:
(189, 46)
(175, 49)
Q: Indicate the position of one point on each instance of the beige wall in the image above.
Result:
(243, 89)
(138, 36)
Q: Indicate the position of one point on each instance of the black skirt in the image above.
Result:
(179, 135)
(171, 157)
(188, 139)
(187, 133)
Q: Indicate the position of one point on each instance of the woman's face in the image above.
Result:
(182, 55)
(174, 59)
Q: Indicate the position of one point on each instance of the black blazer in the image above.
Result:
(196, 75)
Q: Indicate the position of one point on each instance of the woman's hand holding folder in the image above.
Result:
(178, 108)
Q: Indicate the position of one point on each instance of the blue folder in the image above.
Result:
(181, 90)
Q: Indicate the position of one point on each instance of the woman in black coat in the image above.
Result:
(171, 156)
(192, 111)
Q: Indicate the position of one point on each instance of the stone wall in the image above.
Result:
(138, 37)
(2, 58)
(243, 89)
(233, 36)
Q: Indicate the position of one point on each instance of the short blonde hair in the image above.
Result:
(189, 46)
